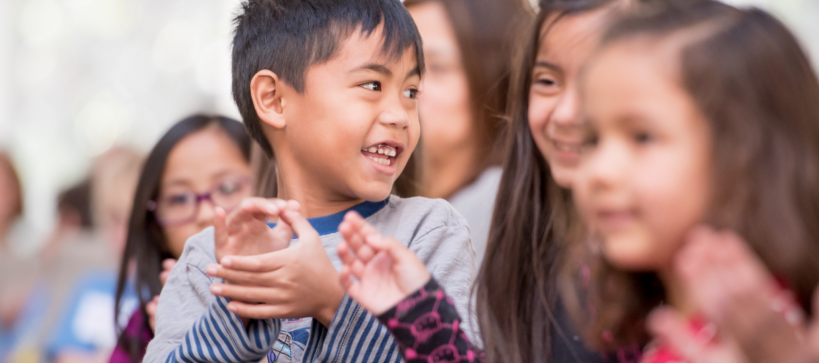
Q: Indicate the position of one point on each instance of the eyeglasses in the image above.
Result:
(181, 207)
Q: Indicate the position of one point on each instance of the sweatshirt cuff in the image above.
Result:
(252, 343)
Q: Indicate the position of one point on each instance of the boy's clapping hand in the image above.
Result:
(387, 271)
(295, 282)
(245, 232)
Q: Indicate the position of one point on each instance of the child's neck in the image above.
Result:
(676, 294)
(315, 201)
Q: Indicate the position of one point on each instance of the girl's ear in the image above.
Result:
(266, 93)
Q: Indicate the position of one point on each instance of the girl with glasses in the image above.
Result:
(202, 162)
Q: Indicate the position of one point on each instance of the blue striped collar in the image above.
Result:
(329, 224)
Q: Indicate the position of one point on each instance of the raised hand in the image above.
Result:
(297, 282)
(385, 271)
(245, 232)
(755, 320)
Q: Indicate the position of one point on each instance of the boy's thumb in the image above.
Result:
(300, 225)
(219, 227)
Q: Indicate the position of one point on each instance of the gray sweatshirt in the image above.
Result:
(194, 325)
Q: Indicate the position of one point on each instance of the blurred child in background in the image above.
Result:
(468, 48)
(704, 115)
(202, 162)
(84, 266)
(17, 266)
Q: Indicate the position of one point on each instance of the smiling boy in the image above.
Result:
(327, 87)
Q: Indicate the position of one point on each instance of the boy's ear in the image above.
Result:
(266, 92)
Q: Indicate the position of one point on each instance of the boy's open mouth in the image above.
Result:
(382, 153)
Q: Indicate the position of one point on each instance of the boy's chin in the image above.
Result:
(374, 192)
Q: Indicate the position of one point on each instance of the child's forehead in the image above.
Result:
(370, 48)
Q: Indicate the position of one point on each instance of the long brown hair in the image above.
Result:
(755, 86)
(486, 32)
(515, 287)
(533, 221)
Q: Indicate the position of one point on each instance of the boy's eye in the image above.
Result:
(411, 93)
(372, 86)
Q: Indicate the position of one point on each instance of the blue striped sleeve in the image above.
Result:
(354, 335)
(220, 336)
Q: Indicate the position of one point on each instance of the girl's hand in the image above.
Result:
(385, 271)
(167, 266)
(150, 307)
(733, 289)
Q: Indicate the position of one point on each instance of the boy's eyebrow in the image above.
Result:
(414, 72)
(380, 68)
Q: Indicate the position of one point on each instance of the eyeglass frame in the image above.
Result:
(153, 205)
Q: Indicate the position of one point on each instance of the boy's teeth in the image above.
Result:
(381, 161)
(381, 151)
(373, 149)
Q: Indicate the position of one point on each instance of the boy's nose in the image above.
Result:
(394, 116)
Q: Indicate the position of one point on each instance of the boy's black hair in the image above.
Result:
(289, 36)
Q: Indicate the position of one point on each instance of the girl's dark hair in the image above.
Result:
(534, 219)
(146, 246)
(753, 83)
(487, 33)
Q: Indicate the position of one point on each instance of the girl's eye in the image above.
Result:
(589, 143)
(372, 86)
(546, 82)
(228, 188)
(411, 93)
(178, 199)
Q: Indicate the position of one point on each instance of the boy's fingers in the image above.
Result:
(257, 311)
(258, 263)
(300, 225)
(247, 294)
(240, 277)
(347, 257)
(251, 210)
(344, 277)
(357, 268)
(292, 205)
(220, 229)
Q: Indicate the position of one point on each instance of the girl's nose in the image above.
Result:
(204, 217)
